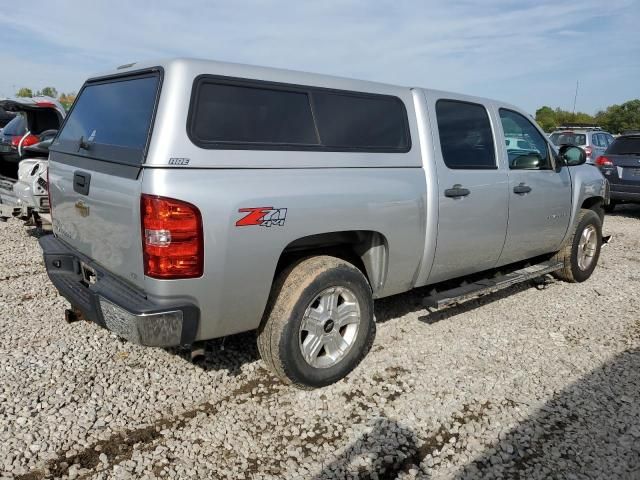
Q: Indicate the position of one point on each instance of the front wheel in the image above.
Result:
(319, 324)
(581, 252)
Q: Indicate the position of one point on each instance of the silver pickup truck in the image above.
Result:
(195, 199)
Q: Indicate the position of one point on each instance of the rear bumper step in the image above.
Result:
(108, 301)
(489, 285)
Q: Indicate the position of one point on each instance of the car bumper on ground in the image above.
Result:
(108, 301)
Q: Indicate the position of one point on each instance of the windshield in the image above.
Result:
(569, 138)
(16, 127)
(625, 146)
(112, 119)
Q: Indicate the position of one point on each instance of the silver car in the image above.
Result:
(195, 199)
(592, 139)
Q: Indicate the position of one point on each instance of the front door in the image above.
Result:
(472, 190)
(539, 191)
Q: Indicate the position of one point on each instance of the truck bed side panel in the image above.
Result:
(240, 261)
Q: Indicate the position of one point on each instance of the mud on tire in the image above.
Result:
(575, 270)
(317, 300)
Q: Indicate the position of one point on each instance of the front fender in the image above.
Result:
(586, 182)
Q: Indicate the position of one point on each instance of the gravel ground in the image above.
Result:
(530, 383)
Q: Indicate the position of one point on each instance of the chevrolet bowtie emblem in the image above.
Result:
(82, 209)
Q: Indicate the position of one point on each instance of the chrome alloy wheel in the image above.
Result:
(329, 327)
(587, 247)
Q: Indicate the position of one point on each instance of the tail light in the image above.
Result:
(26, 141)
(588, 150)
(603, 161)
(172, 239)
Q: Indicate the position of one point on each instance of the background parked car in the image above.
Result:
(621, 166)
(592, 139)
(520, 144)
(34, 117)
(9, 140)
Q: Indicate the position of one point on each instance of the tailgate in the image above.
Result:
(628, 168)
(95, 171)
(103, 224)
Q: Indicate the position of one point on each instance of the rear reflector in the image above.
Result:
(172, 239)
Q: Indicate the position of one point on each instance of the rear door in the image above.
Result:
(472, 190)
(539, 192)
(95, 171)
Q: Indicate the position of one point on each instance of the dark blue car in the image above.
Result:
(620, 164)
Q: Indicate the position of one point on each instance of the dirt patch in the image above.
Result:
(120, 446)
(439, 439)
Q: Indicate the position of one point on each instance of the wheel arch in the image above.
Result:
(367, 250)
(596, 204)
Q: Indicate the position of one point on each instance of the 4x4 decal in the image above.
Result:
(263, 216)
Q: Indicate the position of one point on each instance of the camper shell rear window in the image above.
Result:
(229, 113)
(112, 118)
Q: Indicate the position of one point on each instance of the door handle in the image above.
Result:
(456, 191)
(521, 189)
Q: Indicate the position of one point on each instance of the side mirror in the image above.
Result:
(572, 155)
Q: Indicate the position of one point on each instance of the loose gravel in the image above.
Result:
(530, 383)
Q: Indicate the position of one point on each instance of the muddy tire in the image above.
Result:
(581, 251)
(319, 323)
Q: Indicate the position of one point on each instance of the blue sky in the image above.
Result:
(528, 53)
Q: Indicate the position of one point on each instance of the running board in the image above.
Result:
(489, 285)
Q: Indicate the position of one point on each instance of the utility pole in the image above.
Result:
(575, 98)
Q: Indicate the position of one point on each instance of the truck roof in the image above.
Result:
(197, 66)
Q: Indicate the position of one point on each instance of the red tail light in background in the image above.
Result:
(603, 161)
(172, 239)
(28, 140)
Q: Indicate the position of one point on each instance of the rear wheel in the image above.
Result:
(320, 323)
(581, 252)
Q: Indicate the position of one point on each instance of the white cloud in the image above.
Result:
(516, 51)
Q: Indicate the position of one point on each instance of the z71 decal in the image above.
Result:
(263, 216)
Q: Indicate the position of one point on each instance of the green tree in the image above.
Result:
(546, 118)
(24, 92)
(66, 99)
(549, 119)
(615, 119)
(49, 92)
(618, 118)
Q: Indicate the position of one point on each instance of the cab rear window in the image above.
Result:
(625, 146)
(569, 138)
(111, 120)
(240, 114)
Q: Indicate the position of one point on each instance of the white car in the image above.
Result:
(23, 194)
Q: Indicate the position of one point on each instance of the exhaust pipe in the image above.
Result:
(72, 315)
